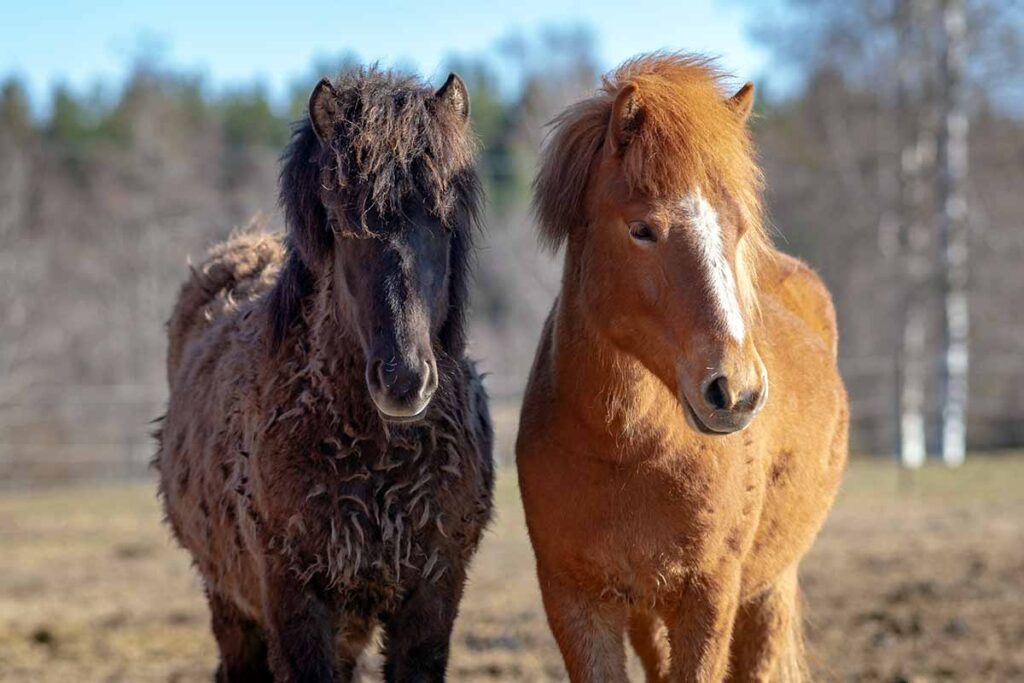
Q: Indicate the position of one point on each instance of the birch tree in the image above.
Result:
(917, 152)
(951, 193)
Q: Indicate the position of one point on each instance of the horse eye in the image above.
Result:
(642, 232)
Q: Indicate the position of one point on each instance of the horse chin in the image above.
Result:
(402, 419)
(702, 426)
(694, 420)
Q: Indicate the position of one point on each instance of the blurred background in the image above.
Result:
(892, 137)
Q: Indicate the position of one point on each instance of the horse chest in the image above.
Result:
(639, 529)
(638, 514)
(366, 516)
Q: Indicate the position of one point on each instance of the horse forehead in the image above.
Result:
(710, 221)
(697, 210)
(702, 219)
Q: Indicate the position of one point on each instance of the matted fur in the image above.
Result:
(391, 143)
(276, 470)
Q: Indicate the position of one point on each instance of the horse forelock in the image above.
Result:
(392, 145)
(689, 140)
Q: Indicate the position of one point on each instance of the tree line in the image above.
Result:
(102, 197)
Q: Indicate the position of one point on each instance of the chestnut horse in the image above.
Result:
(667, 494)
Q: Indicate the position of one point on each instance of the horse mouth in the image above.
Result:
(694, 420)
(722, 423)
(404, 419)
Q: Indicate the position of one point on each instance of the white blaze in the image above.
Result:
(722, 283)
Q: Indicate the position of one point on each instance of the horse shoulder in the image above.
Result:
(479, 418)
(480, 426)
(538, 395)
(801, 291)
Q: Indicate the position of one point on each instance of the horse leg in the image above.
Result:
(649, 637)
(417, 635)
(700, 627)
(243, 648)
(351, 639)
(301, 634)
(767, 639)
(588, 632)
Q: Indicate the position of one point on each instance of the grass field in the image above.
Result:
(913, 579)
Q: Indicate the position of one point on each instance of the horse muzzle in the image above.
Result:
(402, 390)
(723, 408)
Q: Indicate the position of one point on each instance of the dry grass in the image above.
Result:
(912, 580)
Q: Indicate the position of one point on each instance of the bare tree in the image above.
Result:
(912, 66)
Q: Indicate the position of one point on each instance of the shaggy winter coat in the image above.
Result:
(277, 472)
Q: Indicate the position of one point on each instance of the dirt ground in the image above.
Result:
(913, 579)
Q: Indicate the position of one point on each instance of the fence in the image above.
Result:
(59, 434)
(72, 432)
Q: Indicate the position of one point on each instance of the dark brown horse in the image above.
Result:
(326, 454)
(667, 494)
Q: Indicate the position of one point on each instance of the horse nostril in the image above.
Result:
(375, 375)
(429, 384)
(716, 393)
(403, 382)
(749, 402)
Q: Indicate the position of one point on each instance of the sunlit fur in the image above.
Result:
(689, 139)
(641, 522)
(704, 219)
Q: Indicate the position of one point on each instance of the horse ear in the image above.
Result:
(454, 95)
(743, 101)
(321, 106)
(626, 119)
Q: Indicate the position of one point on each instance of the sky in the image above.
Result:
(80, 43)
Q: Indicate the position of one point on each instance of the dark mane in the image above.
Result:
(391, 144)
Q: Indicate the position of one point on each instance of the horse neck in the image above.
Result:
(329, 357)
(609, 390)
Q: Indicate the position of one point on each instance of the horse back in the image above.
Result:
(799, 289)
(237, 270)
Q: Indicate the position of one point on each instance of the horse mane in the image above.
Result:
(391, 144)
(687, 138)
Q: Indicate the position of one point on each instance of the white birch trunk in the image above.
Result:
(952, 200)
(916, 155)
